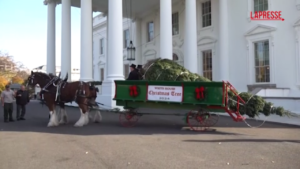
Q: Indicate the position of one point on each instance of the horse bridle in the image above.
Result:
(52, 81)
(31, 77)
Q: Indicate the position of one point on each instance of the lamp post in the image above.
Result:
(130, 52)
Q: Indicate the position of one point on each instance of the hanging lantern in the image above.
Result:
(131, 52)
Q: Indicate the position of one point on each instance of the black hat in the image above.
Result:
(133, 66)
(140, 66)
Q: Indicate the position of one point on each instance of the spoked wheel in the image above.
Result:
(201, 120)
(211, 120)
(128, 118)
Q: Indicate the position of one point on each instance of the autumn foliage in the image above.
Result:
(10, 71)
(3, 82)
(17, 79)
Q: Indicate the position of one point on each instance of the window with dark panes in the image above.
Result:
(207, 64)
(206, 14)
(101, 46)
(126, 38)
(150, 31)
(261, 5)
(262, 61)
(175, 23)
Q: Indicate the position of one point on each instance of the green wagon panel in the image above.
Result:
(214, 95)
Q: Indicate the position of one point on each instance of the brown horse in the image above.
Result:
(79, 92)
(94, 115)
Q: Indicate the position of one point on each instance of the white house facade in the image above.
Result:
(214, 38)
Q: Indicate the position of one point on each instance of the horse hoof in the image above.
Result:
(62, 122)
(52, 125)
(97, 121)
(78, 125)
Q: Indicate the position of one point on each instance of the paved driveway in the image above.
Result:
(155, 143)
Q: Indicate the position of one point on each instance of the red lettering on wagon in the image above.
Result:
(158, 93)
(159, 88)
(175, 94)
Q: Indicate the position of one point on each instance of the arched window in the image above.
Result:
(175, 57)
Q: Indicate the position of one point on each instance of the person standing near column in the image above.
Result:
(7, 99)
(22, 98)
(133, 75)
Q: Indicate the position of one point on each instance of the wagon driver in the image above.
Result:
(134, 74)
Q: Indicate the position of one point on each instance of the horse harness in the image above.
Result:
(61, 84)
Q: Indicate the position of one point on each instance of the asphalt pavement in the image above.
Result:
(156, 142)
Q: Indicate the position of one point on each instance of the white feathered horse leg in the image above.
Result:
(95, 115)
(83, 120)
(53, 119)
(63, 116)
(86, 118)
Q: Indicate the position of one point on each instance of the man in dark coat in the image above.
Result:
(22, 98)
(133, 75)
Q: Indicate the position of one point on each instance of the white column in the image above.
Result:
(114, 54)
(166, 42)
(66, 39)
(86, 54)
(106, 49)
(223, 40)
(115, 34)
(190, 39)
(297, 29)
(51, 37)
(138, 41)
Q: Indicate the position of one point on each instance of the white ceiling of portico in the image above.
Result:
(139, 8)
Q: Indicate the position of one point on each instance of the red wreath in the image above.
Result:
(133, 91)
(199, 93)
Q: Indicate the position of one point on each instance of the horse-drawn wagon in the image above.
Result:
(200, 98)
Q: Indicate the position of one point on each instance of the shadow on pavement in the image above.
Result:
(37, 120)
(244, 140)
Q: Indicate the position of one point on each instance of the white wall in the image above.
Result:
(99, 32)
(283, 44)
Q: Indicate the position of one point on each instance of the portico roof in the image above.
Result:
(139, 8)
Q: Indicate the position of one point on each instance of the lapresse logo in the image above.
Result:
(266, 15)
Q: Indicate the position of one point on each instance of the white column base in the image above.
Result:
(108, 93)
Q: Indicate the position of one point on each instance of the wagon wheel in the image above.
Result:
(199, 120)
(128, 118)
(211, 120)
